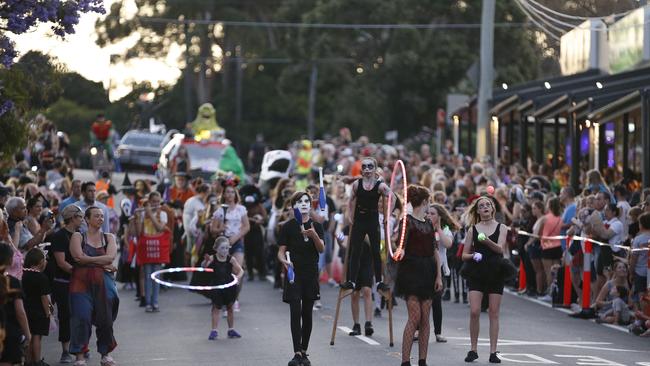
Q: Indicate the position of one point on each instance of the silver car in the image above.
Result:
(140, 150)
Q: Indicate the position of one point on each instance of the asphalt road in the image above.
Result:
(530, 334)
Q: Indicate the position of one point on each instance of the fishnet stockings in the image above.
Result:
(418, 319)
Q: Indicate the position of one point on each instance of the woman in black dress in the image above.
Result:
(418, 273)
(304, 240)
(483, 252)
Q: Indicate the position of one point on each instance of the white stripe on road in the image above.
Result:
(566, 311)
(370, 341)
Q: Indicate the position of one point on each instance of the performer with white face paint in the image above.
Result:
(366, 193)
(303, 239)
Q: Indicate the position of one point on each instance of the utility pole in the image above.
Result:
(487, 78)
(239, 76)
(313, 78)
(187, 75)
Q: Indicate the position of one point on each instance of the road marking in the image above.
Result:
(566, 311)
(565, 344)
(591, 360)
(525, 358)
(370, 341)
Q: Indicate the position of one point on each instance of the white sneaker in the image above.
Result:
(236, 306)
(318, 305)
(546, 298)
(576, 308)
(107, 361)
(331, 282)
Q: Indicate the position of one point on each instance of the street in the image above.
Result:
(530, 334)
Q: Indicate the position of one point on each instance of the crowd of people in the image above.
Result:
(471, 223)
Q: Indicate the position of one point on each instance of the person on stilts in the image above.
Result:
(364, 203)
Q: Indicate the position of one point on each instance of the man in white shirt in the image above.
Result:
(88, 191)
(193, 206)
(621, 193)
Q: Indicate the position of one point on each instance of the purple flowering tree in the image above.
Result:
(20, 16)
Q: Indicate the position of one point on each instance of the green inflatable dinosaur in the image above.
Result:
(206, 119)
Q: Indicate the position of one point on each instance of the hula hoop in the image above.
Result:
(154, 276)
(402, 236)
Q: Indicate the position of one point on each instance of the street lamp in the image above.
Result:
(456, 121)
(596, 142)
(494, 128)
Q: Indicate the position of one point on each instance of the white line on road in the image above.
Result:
(370, 341)
(566, 311)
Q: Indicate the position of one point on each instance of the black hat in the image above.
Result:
(126, 182)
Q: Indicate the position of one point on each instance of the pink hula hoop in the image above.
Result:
(398, 168)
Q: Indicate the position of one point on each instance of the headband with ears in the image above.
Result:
(230, 182)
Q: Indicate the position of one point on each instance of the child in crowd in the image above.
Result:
(37, 302)
(224, 266)
(620, 312)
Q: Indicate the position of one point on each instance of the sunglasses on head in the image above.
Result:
(367, 166)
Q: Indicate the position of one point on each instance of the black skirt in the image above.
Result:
(416, 276)
(223, 297)
(303, 288)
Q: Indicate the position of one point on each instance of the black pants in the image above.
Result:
(460, 285)
(300, 333)
(436, 307)
(254, 253)
(61, 294)
(528, 268)
(360, 229)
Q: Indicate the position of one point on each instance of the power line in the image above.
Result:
(542, 14)
(567, 16)
(325, 25)
(534, 20)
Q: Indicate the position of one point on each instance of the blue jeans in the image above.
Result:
(151, 287)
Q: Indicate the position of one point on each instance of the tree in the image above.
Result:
(24, 90)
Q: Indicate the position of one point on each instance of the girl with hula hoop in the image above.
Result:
(483, 250)
(303, 238)
(418, 273)
(223, 268)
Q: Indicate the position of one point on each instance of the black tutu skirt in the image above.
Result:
(416, 276)
(223, 297)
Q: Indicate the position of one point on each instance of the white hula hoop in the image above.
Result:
(402, 236)
(154, 276)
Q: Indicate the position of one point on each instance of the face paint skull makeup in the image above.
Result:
(303, 204)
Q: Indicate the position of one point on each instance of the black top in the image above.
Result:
(304, 255)
(367, 201)
(61, 243)
(35, 285)
(420, 237)
(485, 251)
(222, 271)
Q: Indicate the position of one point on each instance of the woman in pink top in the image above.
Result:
(551, 248)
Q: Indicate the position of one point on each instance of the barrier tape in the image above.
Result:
(579, 238)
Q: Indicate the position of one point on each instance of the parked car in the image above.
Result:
(140, 149)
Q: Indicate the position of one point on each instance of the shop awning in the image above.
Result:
(505, 106)
(617, 108)
(555, 107)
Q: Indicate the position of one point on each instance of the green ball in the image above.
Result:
(481, 236)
